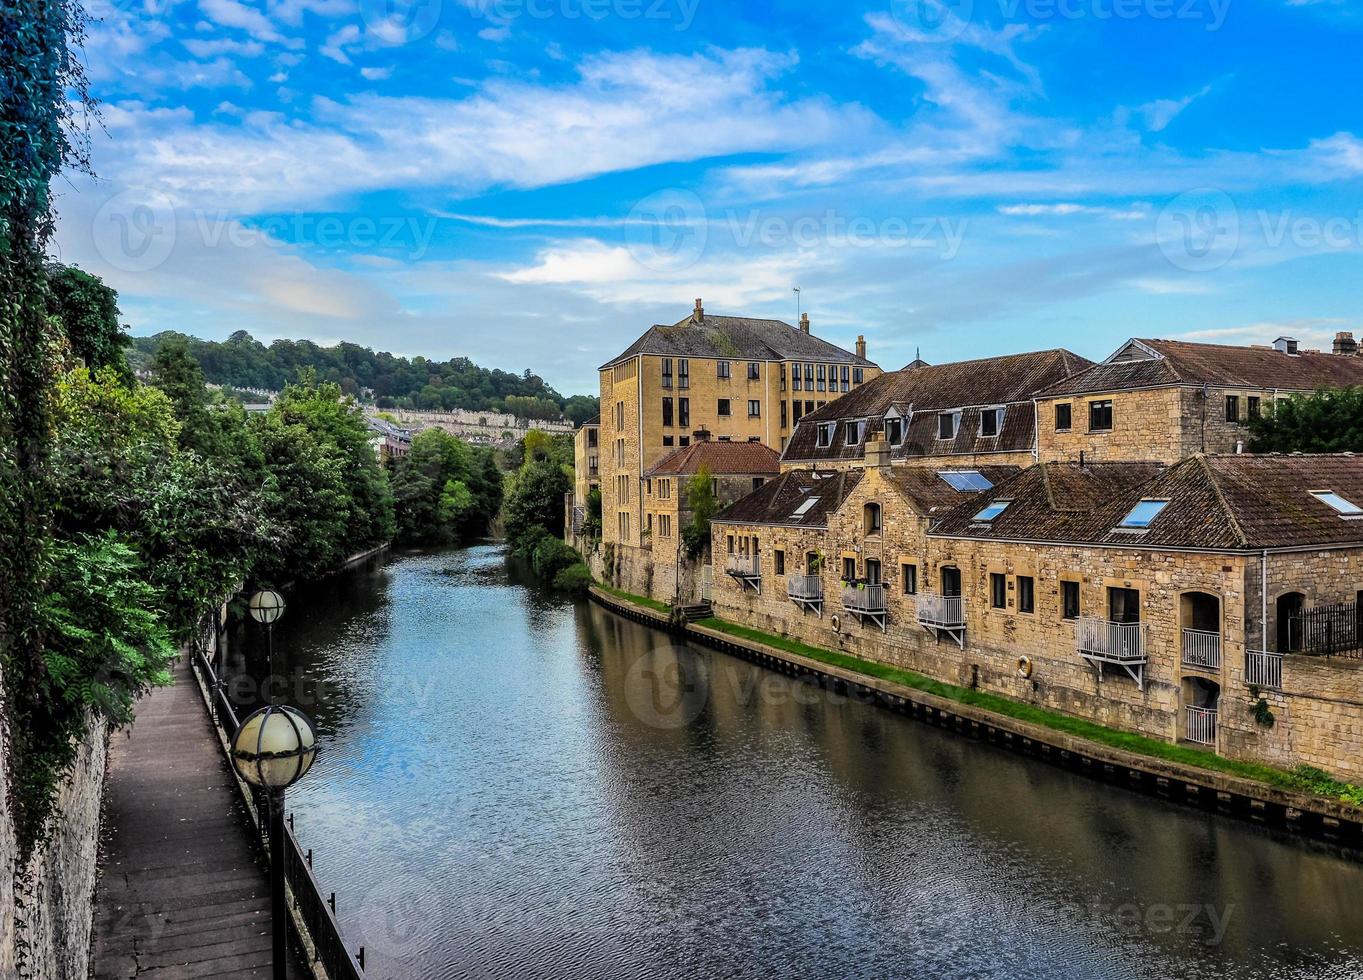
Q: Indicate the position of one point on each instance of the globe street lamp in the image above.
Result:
(272, 749)
(265, 607)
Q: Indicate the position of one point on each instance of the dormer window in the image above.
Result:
(991, 421)
(853, 433)
(992, 511)
(1143, 514)
(824, 435)
(894, 430)
(948, 423)
(1345, 508)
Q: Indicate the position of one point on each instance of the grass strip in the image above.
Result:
(638, 600)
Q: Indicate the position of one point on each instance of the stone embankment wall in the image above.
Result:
(46, 906)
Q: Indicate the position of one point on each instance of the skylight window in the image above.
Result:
(1144, 513)
(994, 509)
(965, 481)
(805, 507)
(1343, 507)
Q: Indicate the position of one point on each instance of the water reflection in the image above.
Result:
(517, 785)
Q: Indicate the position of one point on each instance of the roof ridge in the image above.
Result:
(1201, 460)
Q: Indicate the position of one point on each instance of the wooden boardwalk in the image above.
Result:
(183, 890)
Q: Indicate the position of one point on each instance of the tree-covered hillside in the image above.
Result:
(397, 382)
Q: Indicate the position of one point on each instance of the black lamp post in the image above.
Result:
(272, 749)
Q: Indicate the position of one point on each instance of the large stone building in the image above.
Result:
(1084, 537)
(740, 378)
(586, 475)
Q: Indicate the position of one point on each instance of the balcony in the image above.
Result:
(806, 591)
(940, 614)
(746, 570)
(1201, 725)
(1202, 649)
(1264, 669)
(867, 603)
(1101, 641)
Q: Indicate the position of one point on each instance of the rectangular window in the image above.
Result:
(648, 487)
(991, 420)
(1064, 417)
(797, 409)
(619, 415)
(823, 435)
(854, 429)
(856, 376)
(667, 411)
(683, 440)
(667, 372)
(894, 430)
(780, 562)
(757, 482)
(684, 413)
(809, 377)
(731, 544)
(723, 408)
(821, 378)
(1252, 405)
(1069, 600)
(1232, 408)
(872, 571)
(849, 569)
(946, 425)
(1026, 594)
(669, 441)
(1123, 605)
(784, 414)
(845, 372)
(683, 373)
(648, 526)
(722, 369)
(1100, 415)
(795, 381)
(754, 371)
(998, 590)
(910, 573)
(754, 408)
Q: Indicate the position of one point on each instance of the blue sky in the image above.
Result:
(532, 183)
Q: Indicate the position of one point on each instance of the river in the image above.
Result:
(512, 786)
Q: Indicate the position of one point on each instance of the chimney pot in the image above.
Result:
(699, 314)
(804, 322)
(877, 453)
(1345, 343)
(861, 347)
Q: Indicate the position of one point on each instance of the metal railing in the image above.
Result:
(947, 611)
(1202, 648)
(866, 598)
(1264, 669)
(1331, 631)
(1115, 642)
(1201, 725)
(749, 566)
(804, 587)
(318, 914)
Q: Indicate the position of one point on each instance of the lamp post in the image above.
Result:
(265, 607)
(272, 749)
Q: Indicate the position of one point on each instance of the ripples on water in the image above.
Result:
(503, 793)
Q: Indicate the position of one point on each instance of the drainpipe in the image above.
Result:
(1263, 601)
(1036, 431)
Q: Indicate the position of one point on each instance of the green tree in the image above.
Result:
(88, 311)
(536, 500)
(1328, 421)
(306, 493)
(430, 485)
(700, 498)
(581, 408)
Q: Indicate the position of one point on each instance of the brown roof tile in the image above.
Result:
(719, 457)
(777, 501)
(738, 338)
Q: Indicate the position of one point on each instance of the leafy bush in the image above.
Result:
(552, 556)
(574, 579)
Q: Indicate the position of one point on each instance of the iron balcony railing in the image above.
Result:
(868, 598)
(804, 587)
(1202, 648)
(747, 566)
(1122, 643)
(1201, 725)
(1331, 631)
(946, 611)
(1264, 669)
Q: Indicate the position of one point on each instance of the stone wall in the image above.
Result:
(1146, 425)
(52, 911)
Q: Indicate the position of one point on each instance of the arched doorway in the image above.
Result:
(1289, 608)
(1201, 702)
(1200, 613)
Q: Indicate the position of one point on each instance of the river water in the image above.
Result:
(518, 785)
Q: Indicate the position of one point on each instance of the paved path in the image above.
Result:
(183, 890)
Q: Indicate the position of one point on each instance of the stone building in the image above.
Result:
(968, 413)
(1167, 399)
(740, 378)
(586, 475)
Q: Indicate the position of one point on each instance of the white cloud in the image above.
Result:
(233, 13)
(336, 44)
(210, 47)
(1161, 112)
(377, 74)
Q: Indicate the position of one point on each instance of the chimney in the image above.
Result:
(1345, 343)
(1285, 345)
(699, 313)
(877, 454)
(701, 435)
(861, 347)
(804, 322)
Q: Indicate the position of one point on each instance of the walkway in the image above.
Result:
(183, 891)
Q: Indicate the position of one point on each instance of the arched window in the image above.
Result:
(871, 515)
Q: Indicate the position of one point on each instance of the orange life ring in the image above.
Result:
(1024, 666)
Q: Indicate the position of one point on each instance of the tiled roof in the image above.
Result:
(719, 457)
(737, 338)
(594, 420)
(1237, 502)
(1008, 381)
(1180, 362)
(777, 501)
(929, 494)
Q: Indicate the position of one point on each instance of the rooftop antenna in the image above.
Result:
(797, 304)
